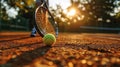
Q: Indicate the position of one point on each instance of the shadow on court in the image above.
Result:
(27, 57)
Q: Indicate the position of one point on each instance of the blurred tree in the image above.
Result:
(24, 8)
(97, 12)
(118, 16)
(3, 14)
(90, 13)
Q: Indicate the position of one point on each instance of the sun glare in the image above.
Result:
(72, 12)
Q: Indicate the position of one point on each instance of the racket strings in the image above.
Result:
(43, 23)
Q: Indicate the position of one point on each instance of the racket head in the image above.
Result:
(44, 22)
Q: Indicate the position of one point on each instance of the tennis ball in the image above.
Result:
(49, 39)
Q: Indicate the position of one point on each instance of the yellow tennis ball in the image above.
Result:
(49, 39)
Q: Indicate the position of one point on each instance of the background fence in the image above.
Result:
(14, 26)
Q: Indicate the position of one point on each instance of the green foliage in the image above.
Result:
(3, 14)
(24, 8)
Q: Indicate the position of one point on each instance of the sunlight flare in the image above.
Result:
(72, 12)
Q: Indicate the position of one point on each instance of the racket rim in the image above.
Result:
(40, 31)
(36, 26)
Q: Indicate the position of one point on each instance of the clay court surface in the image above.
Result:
(18, 49)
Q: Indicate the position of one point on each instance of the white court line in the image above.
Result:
(112, 38)
(107, 37)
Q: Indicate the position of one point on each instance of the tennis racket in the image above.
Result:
(44, 21)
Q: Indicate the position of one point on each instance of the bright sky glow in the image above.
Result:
(52, 3)
(72, 12)
(63, 3)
